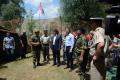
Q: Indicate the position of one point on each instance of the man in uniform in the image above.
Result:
(81, 52)
(97, 70)
(36, 45)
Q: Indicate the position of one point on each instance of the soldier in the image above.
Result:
(97, 70)
(36, 46)
(81, 52)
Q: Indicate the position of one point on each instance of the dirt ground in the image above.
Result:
(23, 70)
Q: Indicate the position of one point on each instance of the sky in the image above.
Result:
(50, 8)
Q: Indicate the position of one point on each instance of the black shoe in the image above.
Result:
(38, 64)
(53, 64)
(58, 65)
(66, 67)
(78, 71)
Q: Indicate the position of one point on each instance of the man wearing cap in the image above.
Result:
(97, 70)
(36, 46)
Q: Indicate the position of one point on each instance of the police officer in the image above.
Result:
(81, 51)
(97, 70)
(36, 46)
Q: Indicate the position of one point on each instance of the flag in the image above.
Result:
(41, 8)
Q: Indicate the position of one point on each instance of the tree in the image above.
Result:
(31, 22)
(2, 2)
(12, 10)
(76, 12)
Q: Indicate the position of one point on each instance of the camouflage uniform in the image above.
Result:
(36, 50)
(81, 44)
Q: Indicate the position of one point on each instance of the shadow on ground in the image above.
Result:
(3, 79)
(1, 67)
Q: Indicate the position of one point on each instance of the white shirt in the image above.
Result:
(8, 42)
(99, 35)
(45, 40)
(69, 40)
(101, 30)
(54, 38)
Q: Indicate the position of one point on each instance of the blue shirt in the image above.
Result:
(69, 40)
(8, 42)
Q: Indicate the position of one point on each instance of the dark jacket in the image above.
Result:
(58, 42)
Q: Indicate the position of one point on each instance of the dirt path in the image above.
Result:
(22, 70)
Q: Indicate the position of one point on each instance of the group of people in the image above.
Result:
(81, 48)
(87, 50)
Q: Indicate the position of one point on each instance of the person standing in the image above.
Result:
(24, 44)
(91, 47)
(69, 44)
(64, 53)
(81, 51)
(56, 42)
(9, 46)
(45, 40)
(36, 47)
(115, 46)
(97, 69)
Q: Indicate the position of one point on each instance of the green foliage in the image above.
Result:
(12, 10)
(31, 26)
(2, 2)
(31, 22)
(75, 11)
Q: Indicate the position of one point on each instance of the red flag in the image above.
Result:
(41, 8)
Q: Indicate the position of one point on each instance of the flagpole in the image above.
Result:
(41, 10)
(39, 23)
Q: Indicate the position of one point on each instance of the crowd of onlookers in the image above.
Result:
(93, 51)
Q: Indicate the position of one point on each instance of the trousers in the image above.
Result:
(98, 70)
(69, 57)
(36, 56)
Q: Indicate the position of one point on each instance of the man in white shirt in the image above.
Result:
(9, 45)
(45, 39)
(69, 44)
(97, 70)
(56, 42)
